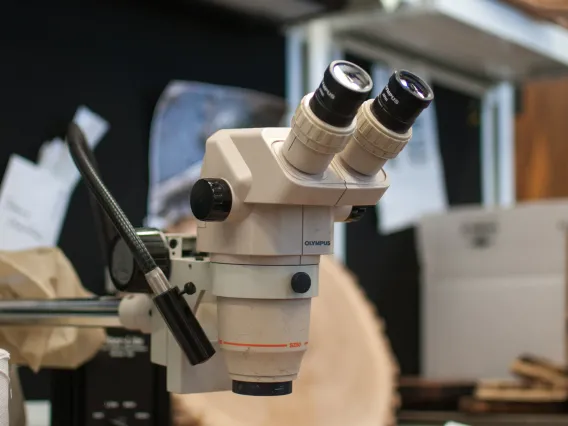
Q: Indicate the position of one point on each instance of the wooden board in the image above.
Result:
(440, 418)
(541, 140)
(477, 406)
(515, 391)
(540, 370)
(423, 394)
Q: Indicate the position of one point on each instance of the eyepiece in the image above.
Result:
(324, 121)
(344, 87)
(383, 125)
(402, 100)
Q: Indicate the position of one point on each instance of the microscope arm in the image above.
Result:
(136, 312)
(87, 312)
(133, 312)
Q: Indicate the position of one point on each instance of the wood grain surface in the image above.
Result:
(553, 10)
(542, 141)
(472, 405)
(440, 418)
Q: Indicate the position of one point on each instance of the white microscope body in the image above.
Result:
(280, 223)
(268, 199)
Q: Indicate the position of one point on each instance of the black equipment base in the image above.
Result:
(119, 386)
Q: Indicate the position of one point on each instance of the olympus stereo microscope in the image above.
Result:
(232, 311)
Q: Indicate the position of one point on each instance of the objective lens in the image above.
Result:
(402, 100)
(344, 87)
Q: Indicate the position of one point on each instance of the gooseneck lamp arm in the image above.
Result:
(168, 300)
(105, 228)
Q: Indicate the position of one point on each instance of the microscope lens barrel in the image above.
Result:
(324, 121)
(402, 100)
(344, 87)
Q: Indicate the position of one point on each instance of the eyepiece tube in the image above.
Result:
(324, 120)
(402, 100)
(344, 87)
(384, 125)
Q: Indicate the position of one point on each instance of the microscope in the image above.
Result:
(230, 310)
(266, 204)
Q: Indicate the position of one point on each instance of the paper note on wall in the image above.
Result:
(34, 198)
(416, 175)
(54, 155)
(33, 203)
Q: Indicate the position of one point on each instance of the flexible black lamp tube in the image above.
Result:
(76, 142)
(168, 300)
(105, 228)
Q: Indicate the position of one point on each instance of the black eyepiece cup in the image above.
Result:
(402, 100)
(345, 86)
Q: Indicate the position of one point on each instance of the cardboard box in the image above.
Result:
(493, 288)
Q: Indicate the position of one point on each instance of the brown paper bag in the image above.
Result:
(348, 376)
(44, 273)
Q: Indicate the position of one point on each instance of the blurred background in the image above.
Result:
(463, 258)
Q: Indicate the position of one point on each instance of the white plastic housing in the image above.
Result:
(312, 143)
(372, 144)
(277, 210)
(281, 221)
(263, 324)
(133, 312)
(5, 391)
(276, 337)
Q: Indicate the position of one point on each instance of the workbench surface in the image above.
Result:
(425, 418)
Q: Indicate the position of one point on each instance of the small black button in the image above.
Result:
(211, 200)
(189, 289)
(301, 282)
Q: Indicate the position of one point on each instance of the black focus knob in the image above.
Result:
(123, 270)
(301, 282)
(211, 200)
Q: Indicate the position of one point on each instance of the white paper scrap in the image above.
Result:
(54, 155)
(50, 152)
(93, 125)
(33, 203)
